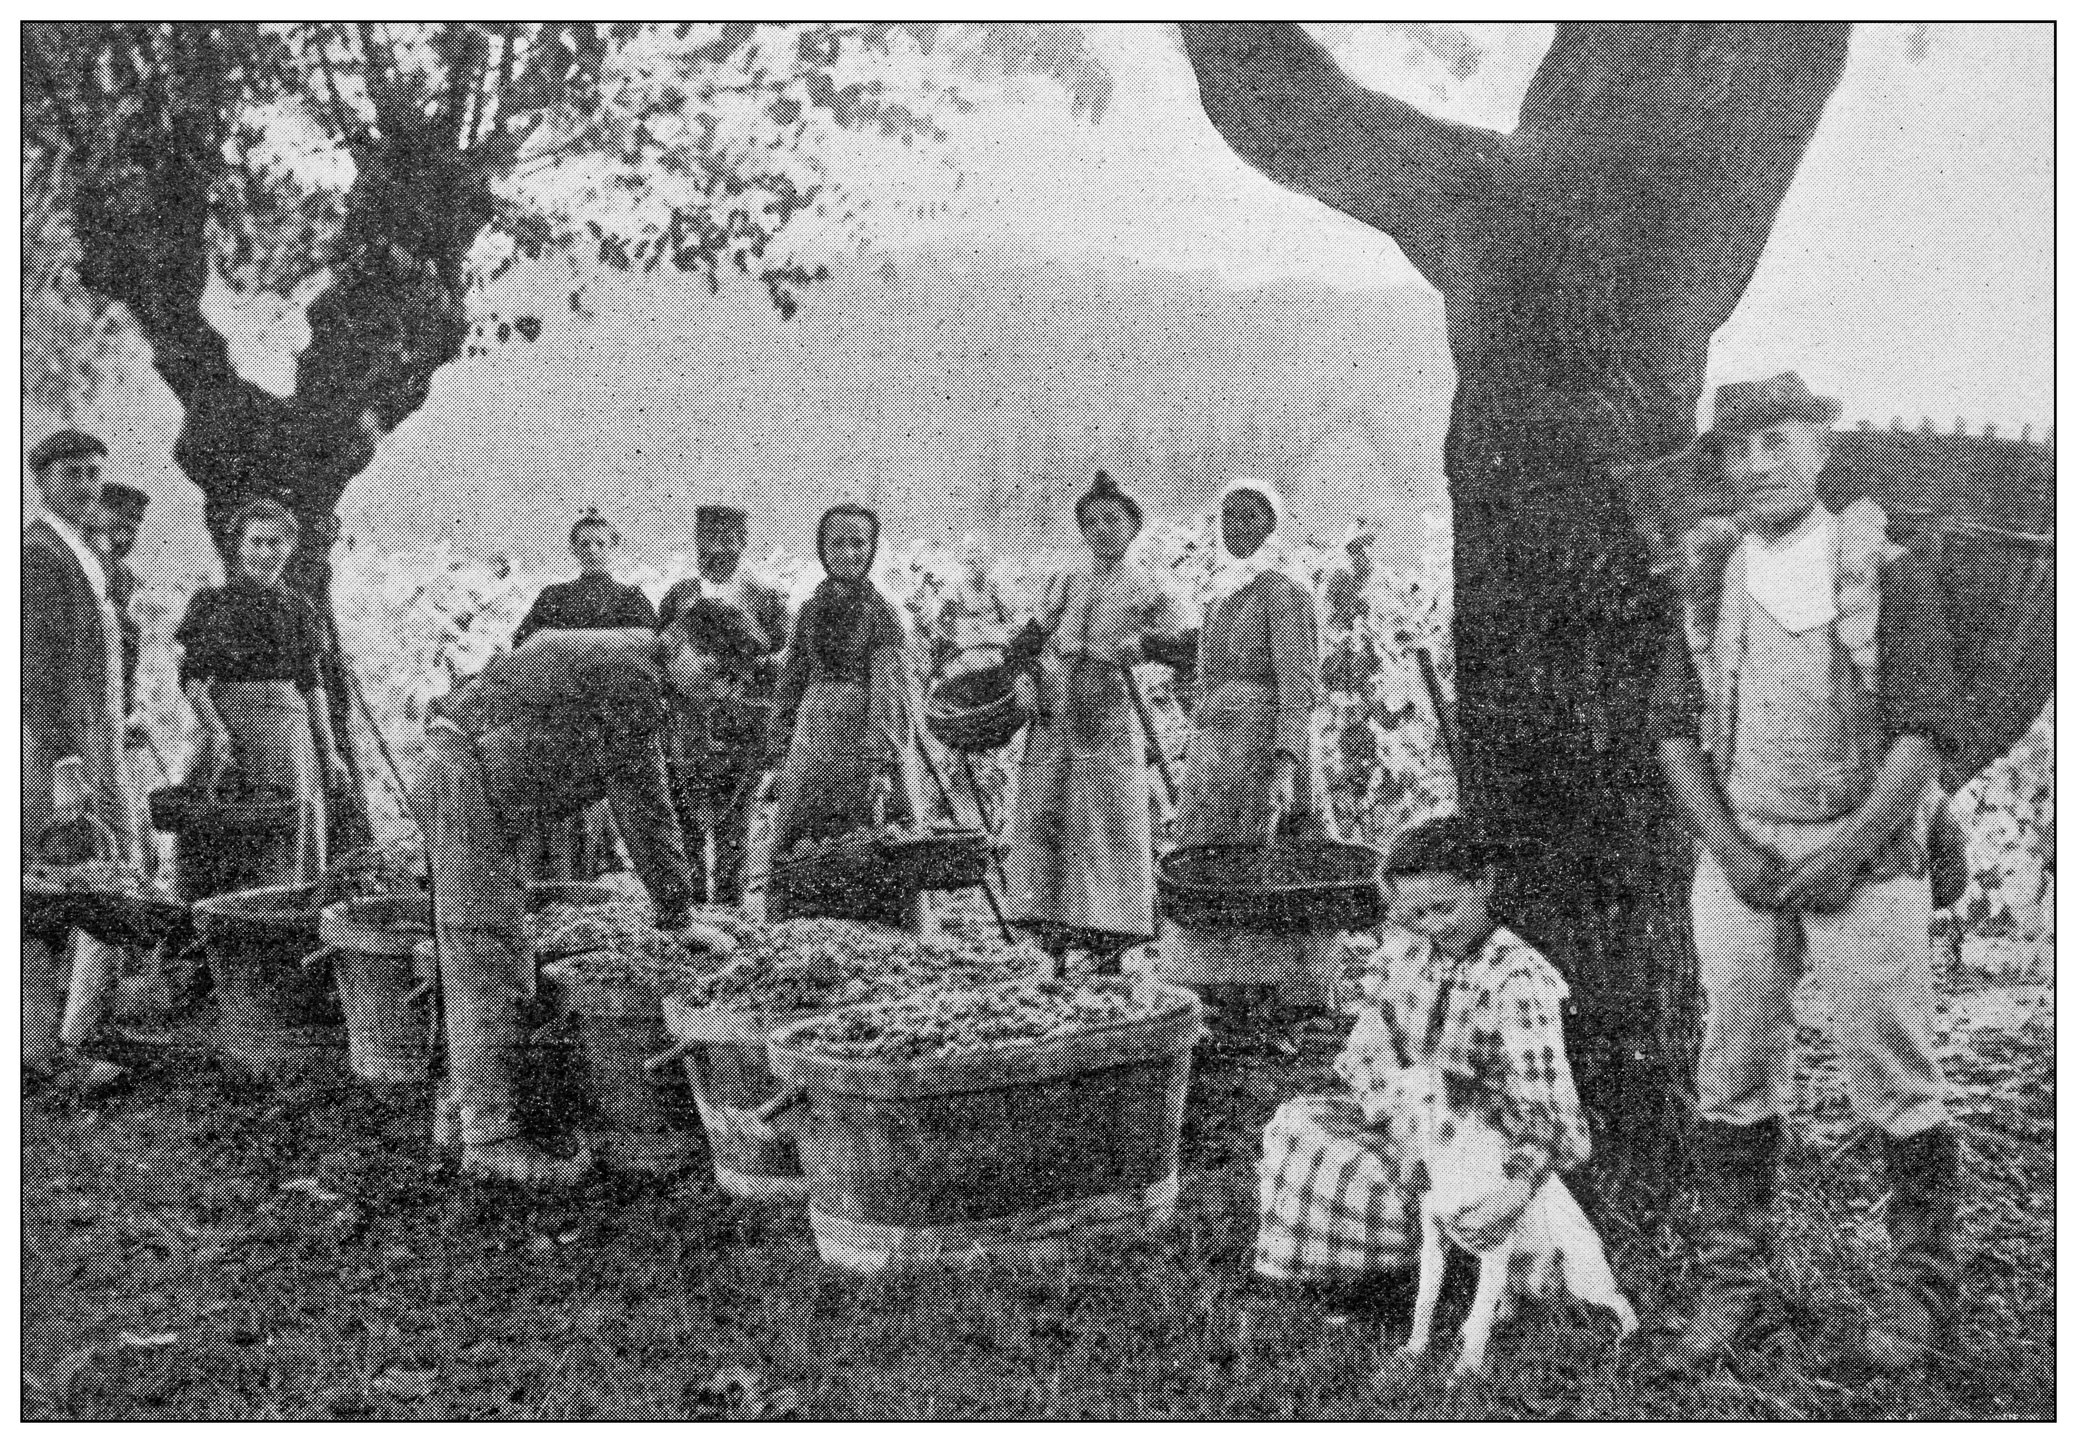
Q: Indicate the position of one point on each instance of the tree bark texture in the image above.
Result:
(1585, 260)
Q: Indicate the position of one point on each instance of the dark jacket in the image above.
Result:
(573, 717)
(587, 603)
(65, 701)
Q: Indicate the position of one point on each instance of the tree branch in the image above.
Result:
(1286, 108)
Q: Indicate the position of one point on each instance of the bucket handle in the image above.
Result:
(657, 1064)
(318, 963)
(779, 1106)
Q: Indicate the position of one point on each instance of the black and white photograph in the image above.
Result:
(1037, 721)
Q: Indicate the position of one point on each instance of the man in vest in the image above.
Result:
(565, 720)
(1800, 715)
(738, 625)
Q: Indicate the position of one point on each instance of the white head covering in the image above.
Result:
(1233, 572)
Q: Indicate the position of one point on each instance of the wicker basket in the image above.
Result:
(949, 859)
(1294, 887)
(976, 711)
(203, 807)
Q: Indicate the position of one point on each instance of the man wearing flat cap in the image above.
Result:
(1801, 714)
(739, 627)
(72, 708)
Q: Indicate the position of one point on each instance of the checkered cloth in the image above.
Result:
(1333, 1199)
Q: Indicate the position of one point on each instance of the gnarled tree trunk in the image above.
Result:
(1585, 260)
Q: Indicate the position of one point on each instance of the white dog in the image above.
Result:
(1553, 1244)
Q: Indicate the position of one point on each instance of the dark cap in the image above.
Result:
(124, 500)
(1104, 488)
(63, 446)
(1743, 407)
(706, 520)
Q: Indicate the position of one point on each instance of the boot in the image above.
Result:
(1734, 1175)
(1923, 1311)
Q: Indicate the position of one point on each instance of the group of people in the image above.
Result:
(1800, 717)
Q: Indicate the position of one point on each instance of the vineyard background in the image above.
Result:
(415, 621)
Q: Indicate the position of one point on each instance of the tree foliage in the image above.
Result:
(386, 172)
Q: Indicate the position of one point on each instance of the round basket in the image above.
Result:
(976, 711)
(1295, 887)
(248, 811)
(950, 859)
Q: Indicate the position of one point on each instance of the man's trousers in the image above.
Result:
(1874, 962)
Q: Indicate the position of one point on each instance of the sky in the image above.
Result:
(1910, 272)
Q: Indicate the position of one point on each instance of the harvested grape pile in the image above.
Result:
(859, 837)
(812, 963)
(942, 1022)
(618, 945)
(389, 869)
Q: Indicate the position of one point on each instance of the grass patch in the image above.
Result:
(204, 1248)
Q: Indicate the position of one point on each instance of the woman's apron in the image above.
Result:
(269, 723)
(1081, 854)
(825, 789)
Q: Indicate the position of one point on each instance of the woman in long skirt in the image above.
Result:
(845, 722)
(250, 666)
(1080, 869)
(1253, 765)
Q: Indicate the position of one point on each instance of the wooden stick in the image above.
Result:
(1146, 724)
(1445, 721)
(945, 794)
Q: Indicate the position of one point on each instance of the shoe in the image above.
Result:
(1922, 1315)
(1734, 1175)
(513, 1161)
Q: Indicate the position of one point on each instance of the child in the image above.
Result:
(1451, 990)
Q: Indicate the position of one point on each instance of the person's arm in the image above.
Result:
(786, 697)
(541, 616)
(673, 603)
(1542, 1116)
(1294, 653)
(329, 762)
(215, 742)
(638, 789)
(197, 637)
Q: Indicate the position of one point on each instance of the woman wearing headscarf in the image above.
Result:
(1253, 765)
(843, 720)
(250, 666)
(1080, 869)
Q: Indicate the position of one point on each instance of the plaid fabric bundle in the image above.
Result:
(1333, 1200)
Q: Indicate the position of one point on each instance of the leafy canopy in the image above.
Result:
(469, 146)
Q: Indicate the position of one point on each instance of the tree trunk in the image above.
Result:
(1558, 630)
(1585, 260)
